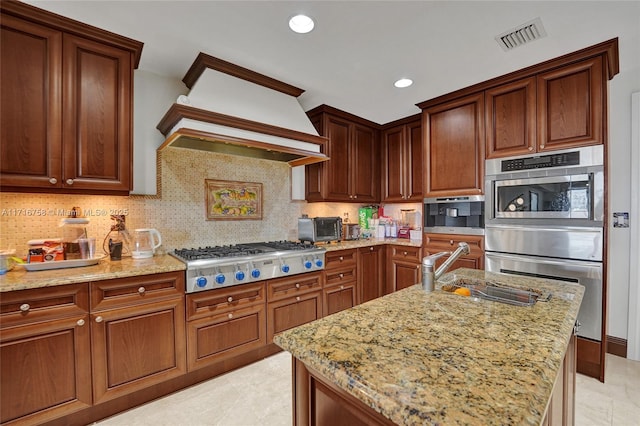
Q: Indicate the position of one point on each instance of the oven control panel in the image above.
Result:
(543, 161)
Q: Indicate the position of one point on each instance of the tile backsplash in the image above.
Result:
(178, 212)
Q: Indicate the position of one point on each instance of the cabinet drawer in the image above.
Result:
(224, 335)
(406, 253)
(292, 312)
(340, 258)
(129, 291)
(206, 303)
(43, 304)
(299, 284)
(449, 242)
(340, 276)
(339, 297)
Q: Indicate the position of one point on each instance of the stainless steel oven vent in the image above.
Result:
(525, 33)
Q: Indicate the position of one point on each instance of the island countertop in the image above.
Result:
(440, 358)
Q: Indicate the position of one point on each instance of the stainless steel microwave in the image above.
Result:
(319, 229)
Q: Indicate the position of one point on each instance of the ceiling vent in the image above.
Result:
(522, 34)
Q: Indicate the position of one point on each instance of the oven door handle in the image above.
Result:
(544, 260)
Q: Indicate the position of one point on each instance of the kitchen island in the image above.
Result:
(413, 357)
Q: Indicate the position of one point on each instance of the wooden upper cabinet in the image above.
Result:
(352, 173)
(454, 147)
(66, 104)
(511, 118)
(571, 106)
(30, 96)
(402, 163)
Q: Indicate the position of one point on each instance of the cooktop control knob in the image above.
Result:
(255, 273)
(239, 275)
(220, 278)
(285, 268)
(308, 264)
(319, 263)
(201, 282)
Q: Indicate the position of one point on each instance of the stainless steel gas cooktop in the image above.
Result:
(223, 266)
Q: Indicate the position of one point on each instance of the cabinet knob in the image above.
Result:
(297, 298)
(341, 287)
(230, 316)
(355, 196)
(53, 181)
(80, 322)
(99, 319)
(451, 242)
(25, 307)
(69, 181)
(141, 290)
(230, 299)
(341, 258)
(530, 148)
(341, 275)
(370, 248)
(404, 252)
(541, 146)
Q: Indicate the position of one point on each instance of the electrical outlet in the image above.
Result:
(621, 220)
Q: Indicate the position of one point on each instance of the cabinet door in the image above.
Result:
(223, 336)
(393, 173)
(570, 106)
(364, 163)
(511, 118)
(338, 167)
(292, 312)
(30, 109)
(339, 297)
(370, 273)
(454, 148)
(402, 275)
(45, 369)
(137, 347)
(97, 116)
(414, 162)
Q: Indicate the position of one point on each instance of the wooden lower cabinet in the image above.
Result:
(224, 323)
(293, 301)
(339, 297)
(45, 354)
(371, 270)
(138, 339)
(436, 243)
(404, 267)
(561, 409)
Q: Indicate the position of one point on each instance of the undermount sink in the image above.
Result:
(498, 293)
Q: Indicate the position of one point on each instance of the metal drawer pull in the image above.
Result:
(297, 285)
(341, 287)
(230, 299)
(230, 316)
(80, 322)
(53, 181)
(99, 319)
(370, 248)
(298, 298)
(405, 253)
(141, 290)
(25, 307)
(341, 258)
(69, 181)
(341, 275)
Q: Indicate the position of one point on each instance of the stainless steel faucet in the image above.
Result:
(429, 277)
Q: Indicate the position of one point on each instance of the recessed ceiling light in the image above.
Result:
(301, 24)
(403, 82)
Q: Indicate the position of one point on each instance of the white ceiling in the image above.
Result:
(359, 48)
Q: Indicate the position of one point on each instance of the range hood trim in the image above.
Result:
(243, 147)
(177, 112)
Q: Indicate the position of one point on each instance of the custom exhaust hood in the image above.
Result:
(233, 110)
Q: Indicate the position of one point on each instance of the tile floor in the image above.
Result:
(260, 394)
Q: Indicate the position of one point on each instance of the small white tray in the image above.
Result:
(59, 264)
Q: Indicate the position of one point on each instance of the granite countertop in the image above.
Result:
(441, 358)
(21, 279)
(344, 245)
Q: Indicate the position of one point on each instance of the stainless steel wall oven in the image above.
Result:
(544, 217)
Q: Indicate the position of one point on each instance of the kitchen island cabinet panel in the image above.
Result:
(45, 360)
